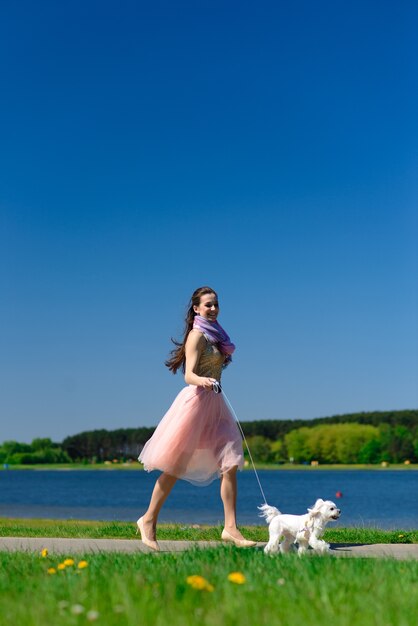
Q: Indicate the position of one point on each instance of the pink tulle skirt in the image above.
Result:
(197, 439)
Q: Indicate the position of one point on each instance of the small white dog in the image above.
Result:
(305, 530)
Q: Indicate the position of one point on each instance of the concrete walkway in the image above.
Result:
(85, 546)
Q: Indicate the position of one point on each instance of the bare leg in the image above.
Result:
(229, 499)
(161, 491)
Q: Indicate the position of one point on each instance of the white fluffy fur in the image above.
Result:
(305, 530)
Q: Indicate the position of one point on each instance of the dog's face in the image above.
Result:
(327, 510)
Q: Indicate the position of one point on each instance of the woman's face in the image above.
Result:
(208, 307)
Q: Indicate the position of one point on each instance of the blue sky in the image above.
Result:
(268, 150)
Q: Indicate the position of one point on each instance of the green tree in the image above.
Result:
(333, 443)
(297, 444)
(260, 449)
(371, 452)
(352, 438)
(278, 451)
(41, 444)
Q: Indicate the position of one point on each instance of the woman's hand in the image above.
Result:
(207, 383)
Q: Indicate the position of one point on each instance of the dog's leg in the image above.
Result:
(302, 539)
(273, 543)
(272, 547)
(318, 545)
(286, 544)
(302, 546)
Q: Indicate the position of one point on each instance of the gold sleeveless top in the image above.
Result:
(210, 362)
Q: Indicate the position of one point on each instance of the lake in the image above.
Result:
(371, 498)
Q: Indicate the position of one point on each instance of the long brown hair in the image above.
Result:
(178, 355)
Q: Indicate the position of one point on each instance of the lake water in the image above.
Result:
(371, 498)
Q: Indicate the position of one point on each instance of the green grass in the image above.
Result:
(75, 466)
(124, 530)
(270, 466)
(127, 590)
(339, 466)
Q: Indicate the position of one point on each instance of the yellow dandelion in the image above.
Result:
(68, 562)
(44, 552)
(82, 564)
(401, 536)
(61, 566)
(237, 578)
(198, 582)
(51, 570)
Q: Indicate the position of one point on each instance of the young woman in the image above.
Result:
(197, 439)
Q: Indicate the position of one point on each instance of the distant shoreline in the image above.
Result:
(63, 467)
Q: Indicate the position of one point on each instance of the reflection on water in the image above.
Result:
(384, 499)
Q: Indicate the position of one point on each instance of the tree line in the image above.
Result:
(371, 437)
(39, 451)
(348, 443)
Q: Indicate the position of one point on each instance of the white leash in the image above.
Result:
(218, 389)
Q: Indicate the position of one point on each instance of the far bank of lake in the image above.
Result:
(259, 466)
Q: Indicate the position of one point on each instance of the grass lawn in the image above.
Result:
(269, 466)
(125, 530)
(127, 590)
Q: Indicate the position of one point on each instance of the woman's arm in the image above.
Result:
(195, 345)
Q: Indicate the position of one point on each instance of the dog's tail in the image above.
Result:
(268, 512)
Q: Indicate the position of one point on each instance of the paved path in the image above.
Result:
(84, 546)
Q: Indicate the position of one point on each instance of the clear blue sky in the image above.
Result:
(267, 149)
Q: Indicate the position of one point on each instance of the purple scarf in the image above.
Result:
(214, 333)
